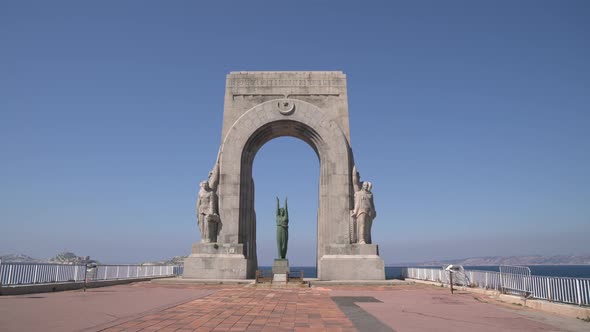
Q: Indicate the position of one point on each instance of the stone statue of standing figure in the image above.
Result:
(363, 212)
(208, 207)
(282, 229)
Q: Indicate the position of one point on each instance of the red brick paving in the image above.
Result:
(249, 309)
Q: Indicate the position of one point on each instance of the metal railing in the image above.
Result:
(12, 274)
(557, 289)
(39, 273)
(110, 272)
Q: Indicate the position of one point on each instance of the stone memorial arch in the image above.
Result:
(260, 106)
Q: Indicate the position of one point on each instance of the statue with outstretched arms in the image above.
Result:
(282, 216)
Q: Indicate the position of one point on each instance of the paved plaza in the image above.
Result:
(160, 307)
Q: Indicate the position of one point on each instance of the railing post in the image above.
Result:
(36, 273)
(10, 274)
(128, 267)
(106, 270)
(86, 275)
(117, 272)
(549, 289)
(56, 272)
(451, 280)
(579, 292)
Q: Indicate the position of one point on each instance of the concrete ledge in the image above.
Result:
(352, 249)
(185, 281)
(281, 285)
(65, 286)
(563, 309)
(215, 266)
(393, 282)
(351, 267)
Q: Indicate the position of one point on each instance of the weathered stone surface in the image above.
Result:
(215, 267)
(352, 267)
(352, 249)
(218, 249)
(215, 261)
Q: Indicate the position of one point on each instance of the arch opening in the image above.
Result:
(264, 134)
(287, 167)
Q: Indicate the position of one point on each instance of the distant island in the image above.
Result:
(61, 258)
(71, 258)
(176, 260)
(507, 260)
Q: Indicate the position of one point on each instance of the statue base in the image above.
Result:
(280, 266)
(280, 271)
(351, 262)
(216, 261)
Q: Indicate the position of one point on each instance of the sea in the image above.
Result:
(394, 272)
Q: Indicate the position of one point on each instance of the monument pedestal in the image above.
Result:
(280, 266)
(351, 262)
(216, 261)
(280, 271)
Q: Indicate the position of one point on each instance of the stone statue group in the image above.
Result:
(208, 208)
(361, 219)
(364, 210)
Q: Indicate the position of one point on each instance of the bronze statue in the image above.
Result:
(282, 229)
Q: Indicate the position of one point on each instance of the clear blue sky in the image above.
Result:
(471, 118)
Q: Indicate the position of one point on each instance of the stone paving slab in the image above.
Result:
(181, 280)
(155, 307)
(327, 283)
(427, 308)
(77, 310)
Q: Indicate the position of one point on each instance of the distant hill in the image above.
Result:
(61, 258)
(19, 258)
(176, 260)
(511, 260)
(70, 258)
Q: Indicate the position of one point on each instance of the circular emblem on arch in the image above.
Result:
(286, 107)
